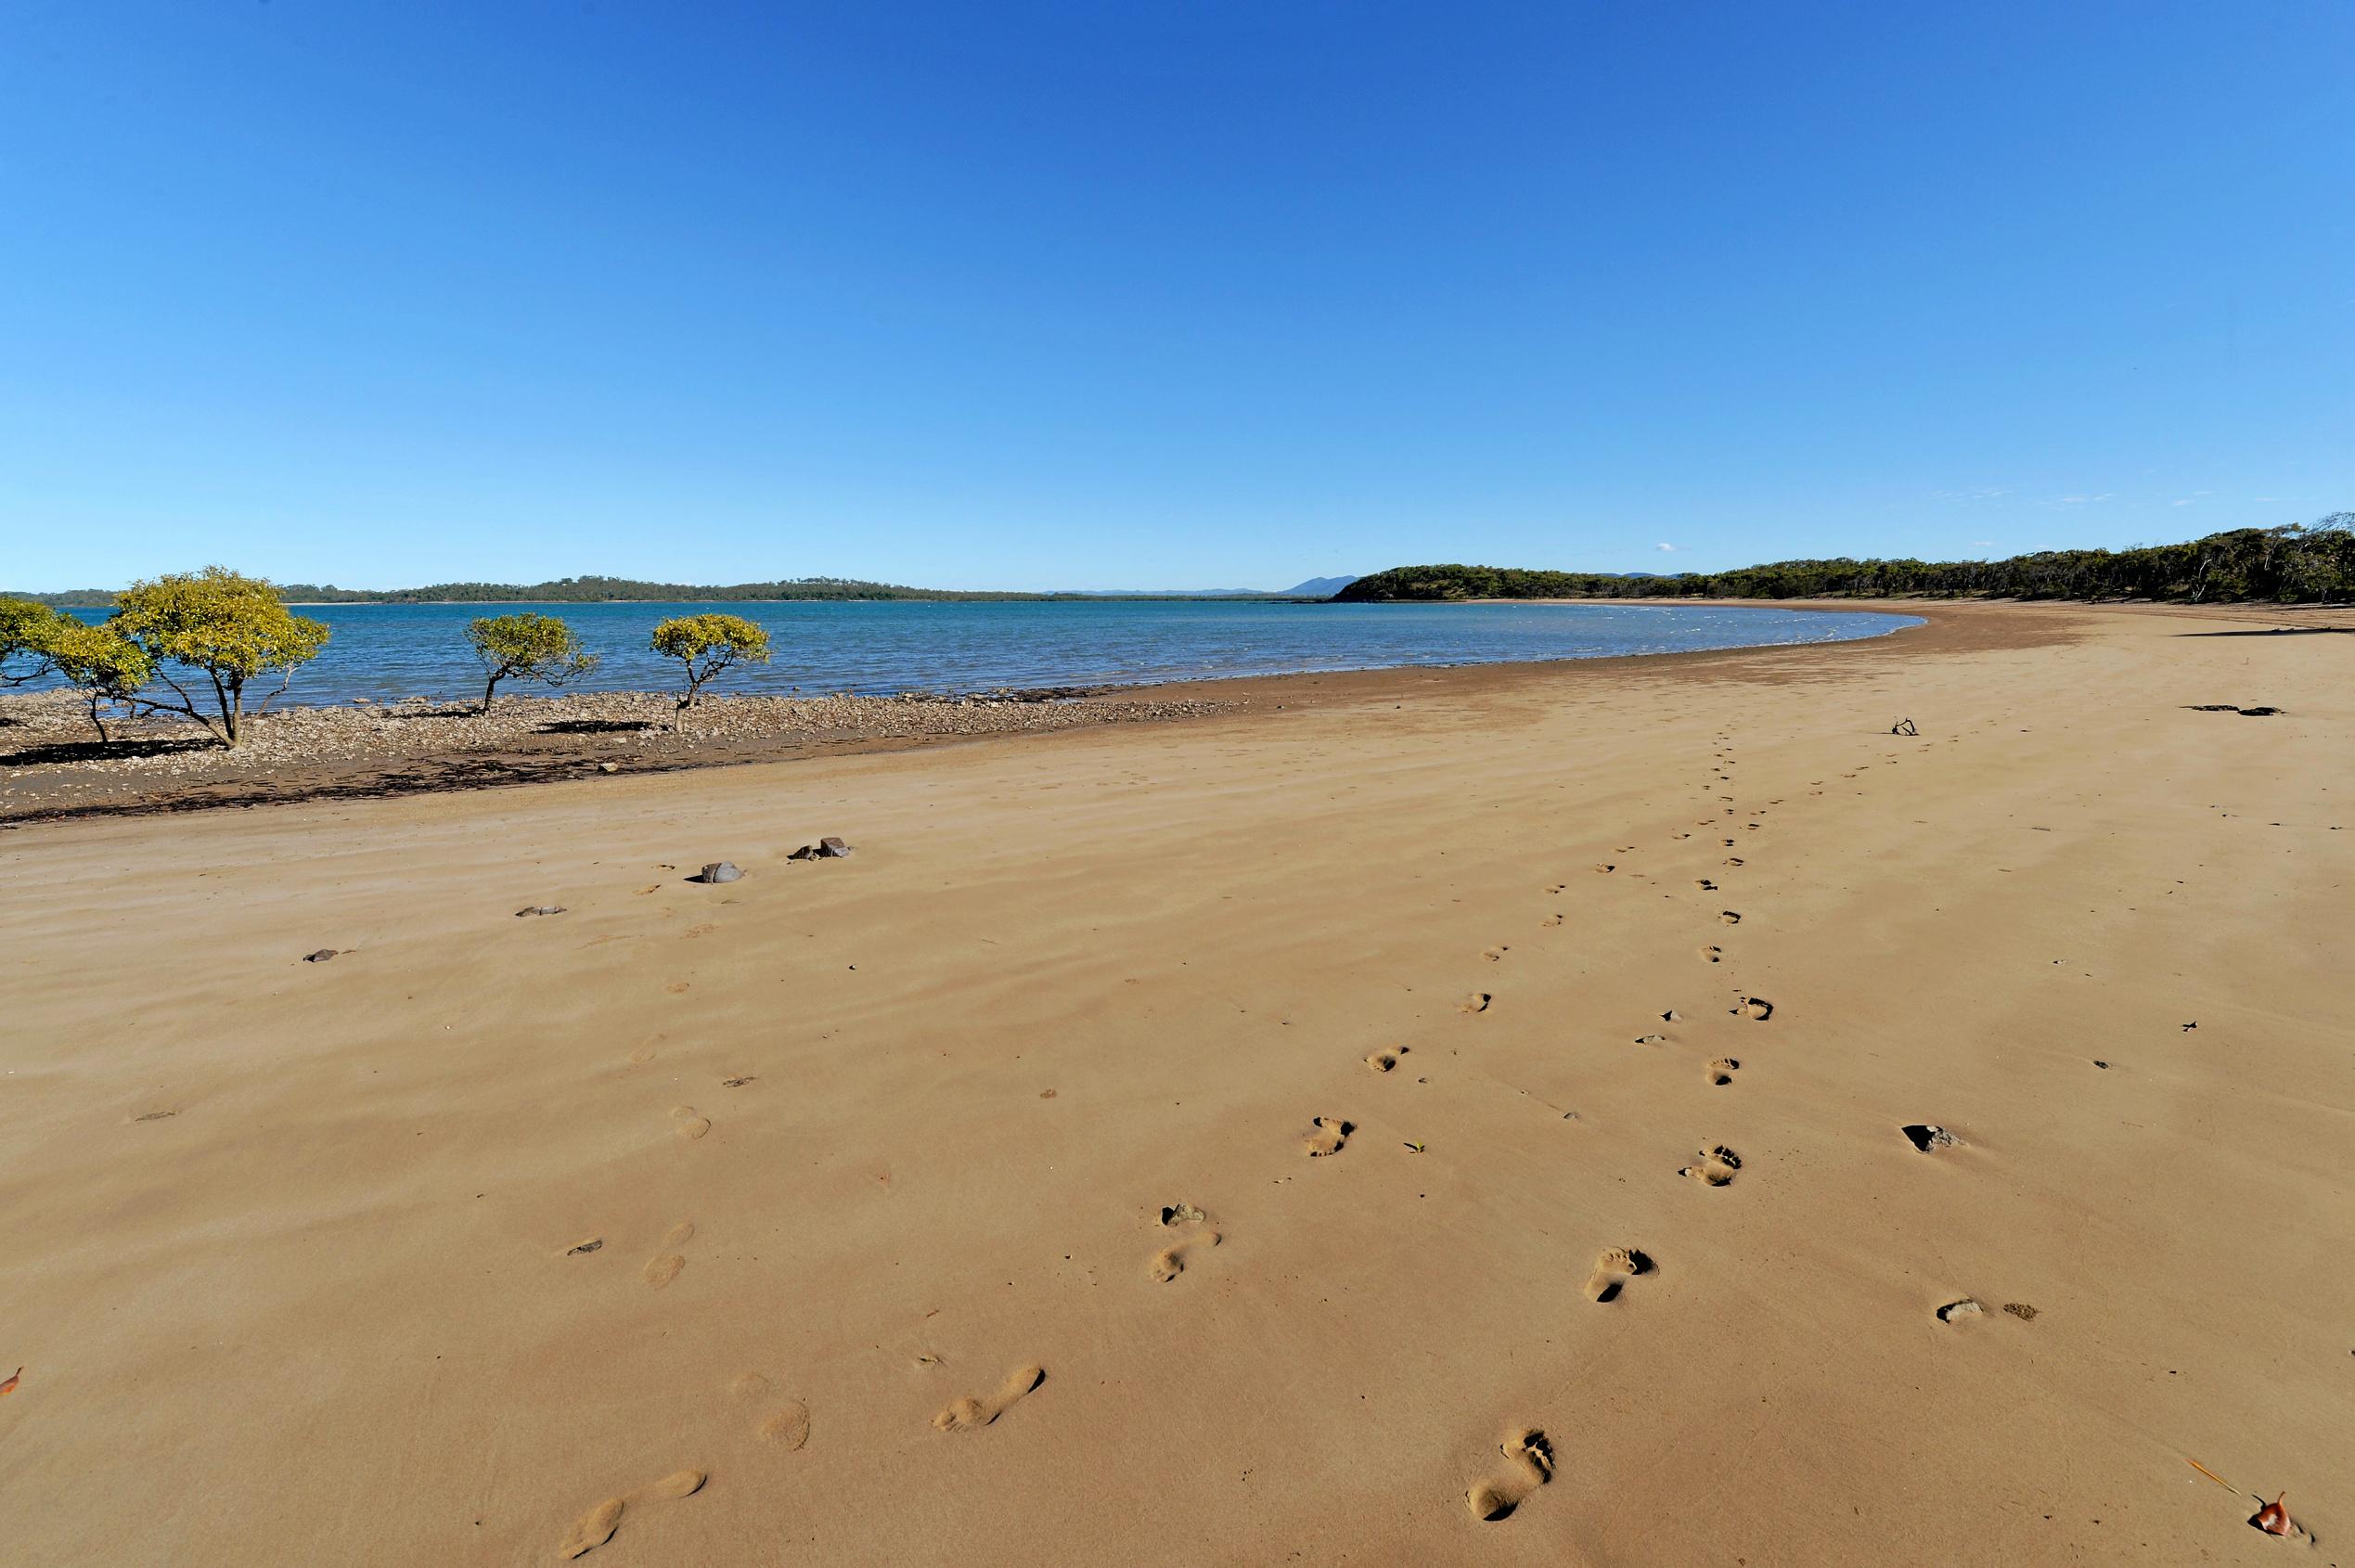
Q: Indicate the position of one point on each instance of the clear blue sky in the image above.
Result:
(1199, 294)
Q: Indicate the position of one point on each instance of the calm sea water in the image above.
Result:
(390, 650)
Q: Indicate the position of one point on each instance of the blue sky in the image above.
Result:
(1209, 294)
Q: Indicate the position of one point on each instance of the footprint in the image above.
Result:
(972, 1415)
(1722, 1070)
(788, 1427)
(1550, 920)
(1716, 1166)
(1926, 1136)
(1733, 860)
(1757, 1009)
(1651, 1039)
(690, 1125)
(1530, 1466)
(595, 1527)
(1711, 955)
(1170, 1262)
(1704, 884)
(1613, 1270)
(1327, 1134)
(1381, 1061)
(1496, 955)
(1476, 1002)
(662, 1269)
(1729, 917)
(1600, 867)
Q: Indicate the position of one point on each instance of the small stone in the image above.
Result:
(540, 909)
(1926, 1136)
(609, 768)
(719, 871)
(321, 957)
(1954, 1310)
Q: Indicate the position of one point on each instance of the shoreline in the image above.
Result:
(1295, 1088)
(537, 740)
(187, 775)
(344, 750)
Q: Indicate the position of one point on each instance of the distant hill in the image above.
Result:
(2296, 564)
(623, 590)
(615, 590)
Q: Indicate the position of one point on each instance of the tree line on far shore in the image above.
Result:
(2312, 563)
(209, 637)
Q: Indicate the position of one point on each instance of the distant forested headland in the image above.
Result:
(584, 590)
(2299, 564)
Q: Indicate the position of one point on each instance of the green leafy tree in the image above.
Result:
(527, 646)
(709, 646)
(229, 629)
(100, 663)
(23, 626)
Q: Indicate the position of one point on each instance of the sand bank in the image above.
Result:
(820, 1216)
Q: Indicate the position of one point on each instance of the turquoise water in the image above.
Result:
(390, 650)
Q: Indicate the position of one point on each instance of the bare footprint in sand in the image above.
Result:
(1326, 1135)
(662, 1269)
(1711, 955)
(1600, 867)
(1704, 884)
(1733, 860)
(1529, 1466)
(597, 1526)
(788, 1426)
(1722, 1070)
(1496, 955)
(972, 1415)
(1170, 1262)
(1613, 1270)
(1729, 917)
(690, 1125)
(1756, 1008)
(1716, 1167)
(1386, 1060)
(1476, 1002)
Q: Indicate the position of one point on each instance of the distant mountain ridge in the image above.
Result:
(618, 590)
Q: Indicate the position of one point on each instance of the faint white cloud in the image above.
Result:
(2087, 500)
(1982, 544)
(2184, 502)
(1975, 492)
(1670, 548)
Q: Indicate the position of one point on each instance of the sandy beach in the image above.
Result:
(1285, 1134)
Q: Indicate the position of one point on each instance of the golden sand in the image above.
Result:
(1551, 1116)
